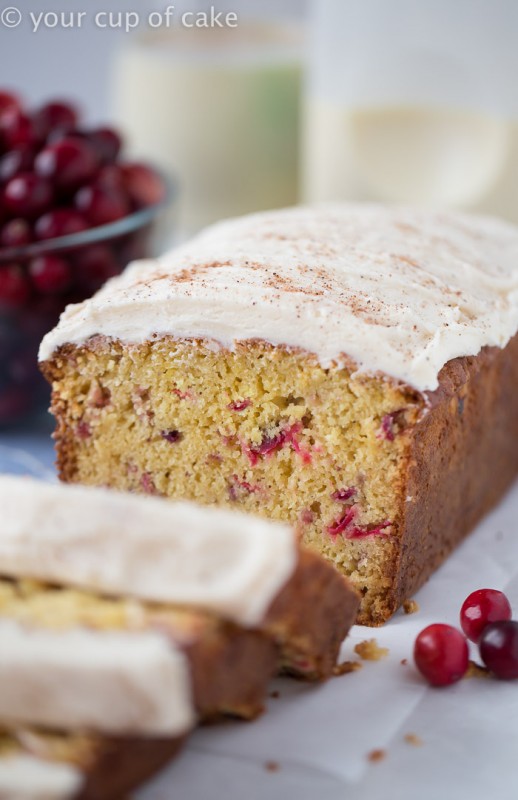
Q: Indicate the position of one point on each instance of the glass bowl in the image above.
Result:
(33, 308)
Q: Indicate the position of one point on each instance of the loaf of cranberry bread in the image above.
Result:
(237, 594)
(351, 369)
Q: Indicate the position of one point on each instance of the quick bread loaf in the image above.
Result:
(349, 369)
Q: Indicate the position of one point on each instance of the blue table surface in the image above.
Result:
(28, 449)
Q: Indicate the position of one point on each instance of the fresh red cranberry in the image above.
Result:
(441, 654)
(143, 185)
(15, 161)
(8, 101)
(68, 163)
(101, 206)
(56, 115)
(110, 177)
(60, 222)
(17, 129)
(58, 134)
(14, 286)
(50, 274)
(481, 608)
(94, 265)
(27, 195)
(499, 648)
(107, 144)
(15, 233)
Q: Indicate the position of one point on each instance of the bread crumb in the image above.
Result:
(404, 662)
(413, 739)
(475, 670)
(376, 755)
(272, 766)
(410, 606)
(347, 666)
(369, 650)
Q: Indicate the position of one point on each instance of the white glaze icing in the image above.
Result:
(112, 682)
(23, 777)
(227, 562)
(398, 290)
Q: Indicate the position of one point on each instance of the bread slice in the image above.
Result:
(127, 619)
(39, 764)
(218, 582)
(239, 662)
(87, 713)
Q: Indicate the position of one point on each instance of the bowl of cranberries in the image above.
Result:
(73, 213)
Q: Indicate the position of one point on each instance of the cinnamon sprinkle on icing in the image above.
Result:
(391, 290)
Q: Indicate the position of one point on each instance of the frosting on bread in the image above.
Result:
(111, 682)
(24, 777)
(226, 562)
(394, 290)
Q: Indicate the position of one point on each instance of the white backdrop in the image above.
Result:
(76, 63)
